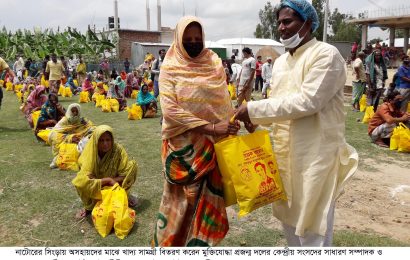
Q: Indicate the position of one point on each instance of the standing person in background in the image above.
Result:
(156, 69)
(376, 75)
(354, 48)
(359, 80)
(236, 71)
(404, 87)
(55, 71)
(44, 66)
(66, 70)
(306, 110)
(19, 64)
(246, 76)
(127, 66)
(5, 67)
(266, 76)
(258, 73)
(105, 67)
(81, 71)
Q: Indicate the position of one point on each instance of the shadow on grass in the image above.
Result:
(143, 204)
(14, 130)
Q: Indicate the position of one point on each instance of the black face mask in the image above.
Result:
(397, 104)
(407, 62)
(193, 48)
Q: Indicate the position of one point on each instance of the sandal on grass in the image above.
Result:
(132, 201)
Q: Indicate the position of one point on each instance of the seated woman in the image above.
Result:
(51, 113)
(70, 129)
(99, 89)
(147, 102)
(129, 82)
(34, 102)
(73, 87)
(117, 91)
(103, 163)
(88, 86)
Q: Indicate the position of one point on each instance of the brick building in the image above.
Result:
(127, 37)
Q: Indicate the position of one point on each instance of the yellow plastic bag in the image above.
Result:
(134, 94)
(362, 103)
(61, 90)
(115, 106)
(134, 112)
(112, 211)
(84, 97)
(1, 83)
(18, 87)
(44, 134)
(34, 116)
(75, 82)
(124, 217)
(98, 99)
(232, 91)
(67, 92)
(404, 142)
(368, 114)
(105, 105)
(9, 86)
(19, 95)
(250, 164)
(106, 88)
(67, 157)
(395, 138)
(102, 215)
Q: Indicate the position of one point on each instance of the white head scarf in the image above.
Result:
(70, 116)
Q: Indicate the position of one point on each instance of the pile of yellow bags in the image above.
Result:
(362, 103)
(368, 114)
(249, 171)
(400, 139)
(84, 97)
(67, 92)
(115, 106)
(98, 99)
(105, 105)
(44, 134)
(112, 211)
(134, 112)
(232, 91)
(67, 157)
(9, 86)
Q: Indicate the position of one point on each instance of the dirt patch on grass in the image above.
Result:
(377, 201)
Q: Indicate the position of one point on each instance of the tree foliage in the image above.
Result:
(267, 28)
(38, 44)
(340, 29)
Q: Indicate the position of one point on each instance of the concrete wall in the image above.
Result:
(127, 37)
(344, 48)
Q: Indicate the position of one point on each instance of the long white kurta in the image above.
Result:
(306, 111)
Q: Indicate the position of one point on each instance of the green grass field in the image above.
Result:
(38, 204)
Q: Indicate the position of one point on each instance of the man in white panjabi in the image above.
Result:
(305, 108)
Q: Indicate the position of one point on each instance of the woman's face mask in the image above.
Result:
(193, 48)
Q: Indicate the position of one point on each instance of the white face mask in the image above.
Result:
(293, 41)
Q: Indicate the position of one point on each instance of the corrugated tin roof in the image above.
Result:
(250, 41)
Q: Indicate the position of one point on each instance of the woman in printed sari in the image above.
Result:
(51, 113)
(117, 91)
(73, 87)
(34, 102)
(128, 88)
(103, 163)
(196, 110)
(70, 129)
(88, 86)
(147, 101)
